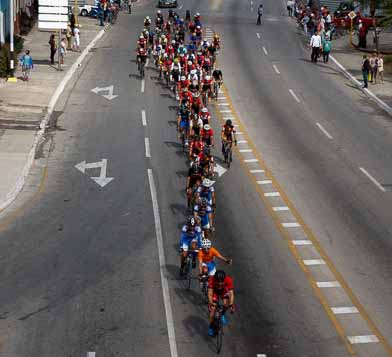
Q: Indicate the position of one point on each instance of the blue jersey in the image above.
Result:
(203, 213)
(206, 193)
(187, 237)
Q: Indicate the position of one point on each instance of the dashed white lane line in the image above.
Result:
(239, 133)
(325, 132)
(162, 267)
(363, 339)
(251, 160)
(271, 194)
(294, 96)
(222, 98)
(227, 104)
(225, 111)
(302, 242)
(147, 146)
(311, 262)
(265, 51)
(280, 208)
(90, 354)
(344, 310)
(371, 178)
(290, 224)
(142, 86)
(144, 119)
(258, 35)
(261, 355)
(276, 69)
(242, 142)
(256, 171)
(245, 150)
(328, 284)
(264, 182)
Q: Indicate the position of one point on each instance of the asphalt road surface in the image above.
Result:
(80, 266)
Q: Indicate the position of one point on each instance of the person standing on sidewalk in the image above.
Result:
(68, 35)
(365, 70)
(373, 68)
(27, 65)
(380, 68)
(53, 48)
(315, 44)
(76, 44)
(327, 45)
(290, 7)
(63, 50)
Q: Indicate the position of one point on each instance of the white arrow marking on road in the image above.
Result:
(101, 180)
(109, 89)
(90, 354)
(219, 170)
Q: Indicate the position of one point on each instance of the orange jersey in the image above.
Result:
(208, 257)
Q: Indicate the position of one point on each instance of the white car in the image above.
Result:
(84, 10)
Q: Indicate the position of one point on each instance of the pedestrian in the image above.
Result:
(380, 68)
(53, 48)
(362, 34)
(259, 14)
(327, 45)
(100, 14)
(365, 70)
(76, 44)
(373, 68)
(63, 50)
(305, 20)
(27, 65)
(290, 7)
(72, 21)
(68, 35)
(315, 44)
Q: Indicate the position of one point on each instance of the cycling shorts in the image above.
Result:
(184, 124)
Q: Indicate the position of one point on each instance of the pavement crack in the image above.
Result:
(27, 316)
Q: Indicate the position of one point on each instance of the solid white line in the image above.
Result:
(256, 171)
(371, 178)
(147, 145)
(144, 120)
(271, 194)
(302, 242)
(276, 69)
(291, 224)
(258, 35)
(245, 150)
(344, 310)
(90, 354)
(265, 51)
(162, 267)
(328, 284)
(264, 182)
(294, 96)
(242, 142)
(363, 339)
(328, 135)
(142, 86)
(250, 160)
(280, 208)
(314, 262)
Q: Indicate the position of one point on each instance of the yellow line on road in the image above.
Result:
(275, 217)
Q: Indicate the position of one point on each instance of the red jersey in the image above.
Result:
(227, 285)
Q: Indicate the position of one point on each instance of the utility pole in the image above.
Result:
(12, 64)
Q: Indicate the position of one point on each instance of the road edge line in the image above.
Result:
(20, 182)
(162, 267)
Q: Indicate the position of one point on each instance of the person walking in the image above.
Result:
(365, 70)
(290, 7)
(68, 35)
(373, 68)
(327, 45)
(76, 44)
(259, 14)
(63, 50)
(315, 44)
(305, 21)
(380, 68)
(27, 65)
(53, 48)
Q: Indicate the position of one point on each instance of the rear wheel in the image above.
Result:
(219, 335)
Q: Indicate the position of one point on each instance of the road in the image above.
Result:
(80, 268)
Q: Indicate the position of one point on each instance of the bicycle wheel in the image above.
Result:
(229, 157)
(219, 335)
(188, 270)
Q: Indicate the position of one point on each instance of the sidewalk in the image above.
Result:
(23, 105)
(351, 59)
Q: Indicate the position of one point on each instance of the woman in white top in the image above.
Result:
(380, 68)
(76, 38)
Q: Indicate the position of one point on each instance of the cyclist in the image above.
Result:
(183, 120)
(197, 145)
(206, 256)
(141, 57)
(147, 22)
(196, 125)
(220, 286)
(228, 135)
(206, 190)
(218, 80)
(142, 42)
(194, 178)
(216, 41)
(207, 135)
(190, 239)
(204, 211)
(205, 116)
(207, 163)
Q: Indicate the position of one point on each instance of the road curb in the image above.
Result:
(20, 182)
(368, 93)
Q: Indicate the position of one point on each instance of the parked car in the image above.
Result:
(167, 3)
(84, 9)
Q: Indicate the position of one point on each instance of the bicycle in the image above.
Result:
(228, 154)
(184, 135)
(141, 68)
(204, 287)
(218, 326)
(216, 89)
(189, 266)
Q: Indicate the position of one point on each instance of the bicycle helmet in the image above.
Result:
(220, 276)
(206, 127)
(228, 122)
(207, 78)
(204, 110)
(183, 78)
(206, 244)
